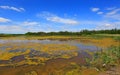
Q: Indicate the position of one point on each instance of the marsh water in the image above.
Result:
(80, 45)
(49, 62)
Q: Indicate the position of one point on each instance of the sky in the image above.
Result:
(21, 16)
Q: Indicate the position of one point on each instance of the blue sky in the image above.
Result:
(21, 16)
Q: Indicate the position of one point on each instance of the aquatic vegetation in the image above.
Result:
(67, 56)
(100, 42)
(8, 55)
(31, 73)
(36, 53)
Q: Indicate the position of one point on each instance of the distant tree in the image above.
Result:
(82, 32)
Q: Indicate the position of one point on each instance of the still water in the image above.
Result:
(49, 61)
(80, 45)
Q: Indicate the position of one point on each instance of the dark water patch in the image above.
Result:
(88, 47)
(34, 53)
(17, 59)
(4, 61)
(3, 48)
(44, 54)
(17, 50)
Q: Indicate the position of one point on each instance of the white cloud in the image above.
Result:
(4, 19)
(114, 14)
(113, 17)
(62, 20)
(23, 27)
(12, 8)
(95, 9)
(106, 26)
(28, 23)
(54, 18)
(113, 11)
(98, 25)
(110, 8)
(12, 29)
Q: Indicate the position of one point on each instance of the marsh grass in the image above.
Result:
(106, 59)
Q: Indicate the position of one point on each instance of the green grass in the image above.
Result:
(106, 58)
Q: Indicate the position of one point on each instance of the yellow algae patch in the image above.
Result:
(7, 55)
(39, 60)
(40, 37)
(50, 50)
(106, 42)
(67, 56)
(103, 42)
(41, 47)
(57, 47)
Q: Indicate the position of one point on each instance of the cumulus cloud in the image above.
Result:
(95, 9)
(54, 18)
(3, 20)
(12, 8)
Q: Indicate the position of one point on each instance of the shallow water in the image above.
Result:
(53, 61)
(80, 45)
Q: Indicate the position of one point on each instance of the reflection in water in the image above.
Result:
(80, 45)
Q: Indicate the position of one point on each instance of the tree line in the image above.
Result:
(82, 32)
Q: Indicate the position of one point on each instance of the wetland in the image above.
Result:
(61, 56)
